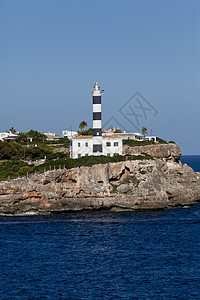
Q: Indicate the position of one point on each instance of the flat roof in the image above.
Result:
(52, 136)
(121, 133)
(82, 137)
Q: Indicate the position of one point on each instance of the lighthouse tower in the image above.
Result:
(97, 126)
(96, 144)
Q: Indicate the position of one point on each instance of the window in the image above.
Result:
(108, 154)
(115, 144)
(108, 144)
(86, 144)
(116, 154)
(79, 144)
(86, 154)
(79, 155)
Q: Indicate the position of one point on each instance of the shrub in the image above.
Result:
(24, 170)
(133, 143)
(10, 150)
(13, 168)
(142, 172)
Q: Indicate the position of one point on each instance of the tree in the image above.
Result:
(37, 136)
(10, 150)
(12, 130)
(86, 132)
(118, 130)
(82, 125)
(22, 137)
(144, 131)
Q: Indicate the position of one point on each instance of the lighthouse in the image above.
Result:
(108, 144)
(97, 124)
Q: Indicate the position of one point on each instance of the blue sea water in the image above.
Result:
(102, 255)
(192, 160)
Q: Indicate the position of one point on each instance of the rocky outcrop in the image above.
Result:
(61, 149)
(136, 184)
(167, 151)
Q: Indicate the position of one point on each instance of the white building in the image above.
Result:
(128, 136)
(134, 136)
(52, 136)
(7, 136)
(96, 144)
(69, 134)
(83, 146)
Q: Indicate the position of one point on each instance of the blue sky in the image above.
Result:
(52, 52)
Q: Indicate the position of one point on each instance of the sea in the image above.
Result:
(102, 255)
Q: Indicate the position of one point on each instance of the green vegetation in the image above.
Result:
(86, 132)
(90, 132)
(88, 161)
(13, 151)
(82, 125)
(144, 131)
(133, 143)
(12, 130)
(142, 172)
(93, 160)
(32, 145)
(22, 138)
(114, 190)
(36, 136)
(14, 168)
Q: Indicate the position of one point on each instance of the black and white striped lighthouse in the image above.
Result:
(97, 126)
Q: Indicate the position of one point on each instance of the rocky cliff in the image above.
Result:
(167, 151)
(136, 184)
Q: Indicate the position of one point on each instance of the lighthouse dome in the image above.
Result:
(96, 91)
(97, 86)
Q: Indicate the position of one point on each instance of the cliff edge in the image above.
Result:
(170, 151)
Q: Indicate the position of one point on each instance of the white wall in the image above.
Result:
(96, 123)
(114, 148)
(4, 135)
(78, 147)
(69, 134)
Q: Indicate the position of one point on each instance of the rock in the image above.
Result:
(124, 188)
(61, 149)
(167, 151)
(136, 184)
